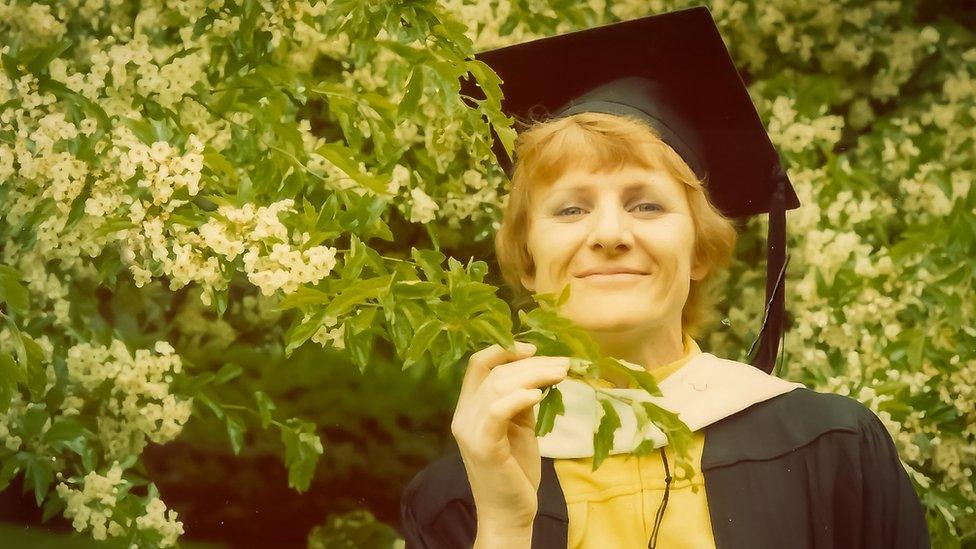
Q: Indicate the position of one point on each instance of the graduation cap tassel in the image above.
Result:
(772, 329)
(664, 503)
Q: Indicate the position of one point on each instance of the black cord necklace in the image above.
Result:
(664, 503)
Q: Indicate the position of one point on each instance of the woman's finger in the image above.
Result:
(533, 373)
(481, 363)
(501, 411)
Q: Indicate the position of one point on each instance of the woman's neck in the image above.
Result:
(648, 348)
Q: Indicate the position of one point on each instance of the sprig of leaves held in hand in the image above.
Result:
(555, 335)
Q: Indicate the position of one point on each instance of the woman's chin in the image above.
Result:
(593, 321)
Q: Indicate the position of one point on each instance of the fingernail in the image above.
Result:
(526, 346)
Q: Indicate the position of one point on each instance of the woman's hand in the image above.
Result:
(494, 425)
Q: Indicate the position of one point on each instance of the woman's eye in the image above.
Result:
(654, 207)
(564, 210)
(572, 210)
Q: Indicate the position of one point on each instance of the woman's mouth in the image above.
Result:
(613, 279)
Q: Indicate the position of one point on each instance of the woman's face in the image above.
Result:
(633, 219)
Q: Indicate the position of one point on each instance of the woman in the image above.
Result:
(608, 198)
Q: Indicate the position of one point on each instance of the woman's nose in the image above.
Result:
(611, 229)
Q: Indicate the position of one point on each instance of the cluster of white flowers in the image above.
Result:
(848, 210)
(956, 457)
(828, 250)
(91, 505)
(790, 133)
(902, 54)
(169, 83)
(328, 334)
(139, 404)
(476, 193)
(165, 522)
(401, 178)
(36, 22)
(164, 168)
(9, 439)
(247, 229)
(423, 207)
(924, 196)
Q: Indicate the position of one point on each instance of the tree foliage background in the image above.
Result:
(247, 244)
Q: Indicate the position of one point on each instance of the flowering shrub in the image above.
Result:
(184, 180)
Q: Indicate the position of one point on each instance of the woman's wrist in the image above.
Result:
(499, 526)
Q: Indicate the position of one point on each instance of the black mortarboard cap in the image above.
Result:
(673, 72)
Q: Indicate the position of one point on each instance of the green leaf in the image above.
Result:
(603, 437)
(415, 90)
(916, 348)
(430, 262)
(359, 346)
(678, 433)
(77, 211)
(356, 293)
(400, 331)
(220, 300)
(488, 81)
(113, 226)
(363, 320)
(495, 335)
(343, 158)
(46, 55)
(643, 379)
(10, 468)
(550, 407)
(235, 431)
(265, 408)
(142, 129)
(644, 448)
(63, 429)
(12, 291)
(422, 339)
(33, 420)
(9, 372)
(36, 375)
(228, 372)
(301, 298)
(416, 289)
(355, 259)
(302, 451)
(52, 507)
(218, 164)
(209, 402)
(563, 296)
(478, 270)
(195, 384)
(39, 474)
(299, 334)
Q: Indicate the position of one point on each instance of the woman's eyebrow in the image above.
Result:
(648, 184)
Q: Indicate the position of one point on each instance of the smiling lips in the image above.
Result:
(609, 272)
(611, 276)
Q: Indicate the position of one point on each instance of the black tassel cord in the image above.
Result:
(664, 503)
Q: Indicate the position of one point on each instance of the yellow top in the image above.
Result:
(615, 505)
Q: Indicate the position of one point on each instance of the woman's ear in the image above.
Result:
(528, 281)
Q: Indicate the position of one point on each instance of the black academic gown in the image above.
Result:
(800, 470)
